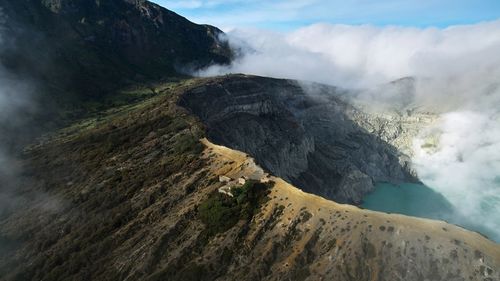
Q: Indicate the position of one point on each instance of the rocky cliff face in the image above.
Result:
(315, 140)
(393, 112)
(133, 195)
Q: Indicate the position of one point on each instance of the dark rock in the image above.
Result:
(311, 141)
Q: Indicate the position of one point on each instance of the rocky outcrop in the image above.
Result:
(313, 139)
(396, 127)
(393, 112)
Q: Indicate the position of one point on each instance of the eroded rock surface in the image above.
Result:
(315, 140)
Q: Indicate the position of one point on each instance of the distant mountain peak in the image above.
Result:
(112, 40)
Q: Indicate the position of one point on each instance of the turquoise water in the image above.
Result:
(420, 201)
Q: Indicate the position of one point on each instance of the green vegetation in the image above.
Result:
(427, 145)
(302, 274)
(305, 216)
(369, 250)
(220, 212)
(191, 272)
(107, 171)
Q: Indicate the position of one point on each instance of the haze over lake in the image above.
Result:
(420, 201)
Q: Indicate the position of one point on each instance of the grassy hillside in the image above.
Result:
(132, 195)
(67, 59)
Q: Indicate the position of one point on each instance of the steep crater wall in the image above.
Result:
(311, 141)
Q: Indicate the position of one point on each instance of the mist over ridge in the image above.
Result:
(454, 73)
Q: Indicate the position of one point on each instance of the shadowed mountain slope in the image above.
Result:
(65, 59)
(89, 46)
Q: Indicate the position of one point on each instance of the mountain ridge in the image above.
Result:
(134, 186)
(126, 203)
(89, 47)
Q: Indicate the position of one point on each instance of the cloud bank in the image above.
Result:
(366, 55)
(12, 99)
(456, 72)
(464, 164)
(17, 108)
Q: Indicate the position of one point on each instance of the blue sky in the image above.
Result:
(291, 14)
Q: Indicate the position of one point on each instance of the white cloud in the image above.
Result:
(465, 165)
(197, 4)
(367, 55)
(16, 106)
